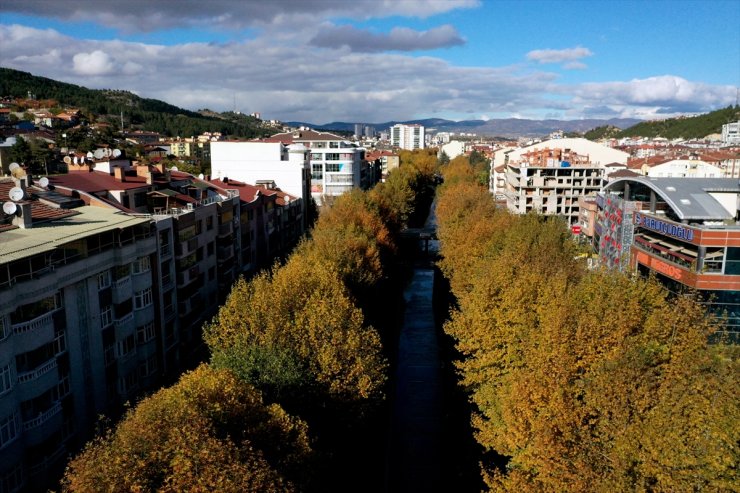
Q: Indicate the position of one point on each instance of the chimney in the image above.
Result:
(22, 219)
(120, 174)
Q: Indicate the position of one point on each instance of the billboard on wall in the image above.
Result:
(610, 220)
(667, 228)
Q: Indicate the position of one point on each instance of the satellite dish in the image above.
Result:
(116, 152)
(44, 181)
(13, 166)
(67, 160)
(174, 168)
(200, 176)
(98, 154)
(16, 194)
(90, 154)
(74, 159)
(9, 208)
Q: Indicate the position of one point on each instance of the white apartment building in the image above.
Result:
(408, 137)
(686, 168)
(731, 133)
(261, 162)
(337, 165)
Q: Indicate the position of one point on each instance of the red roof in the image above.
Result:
(39, 211)
(97, 181)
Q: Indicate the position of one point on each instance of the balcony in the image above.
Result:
(186, 277)
(225, 228)
(122, 289)
(225, 253)
(30, 376)
(189, 305)
(165, 250)
(40, 428)
(124, 326)
(167, 281)
(31, 334)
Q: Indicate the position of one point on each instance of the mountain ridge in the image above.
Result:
(502, 127)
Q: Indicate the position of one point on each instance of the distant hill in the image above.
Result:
(508, 127)
(691, 127)
(149, 114)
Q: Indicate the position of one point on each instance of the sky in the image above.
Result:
(370, 61)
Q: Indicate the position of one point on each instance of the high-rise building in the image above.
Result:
(407, 137)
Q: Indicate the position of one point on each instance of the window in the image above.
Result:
(148, 367)
(317, 171)
(141, 265)
(198, 227)
(127, 383)
(9, 429)
(317, 156)
(143, 299)
(333, 167)
(106, 316)
(104, 280)
(125, 346)
(4, 328)
(140, 200)
(334, 145)
(211, 248)
(145, 333)
(6, 379)
(209, 223)
(332, 156)
(211, 273)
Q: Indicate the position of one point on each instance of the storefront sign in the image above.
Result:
(660, 266)
(669, 229)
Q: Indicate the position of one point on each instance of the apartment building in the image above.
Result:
(78, 325)
(409, 137)
(550, 181)
(684, 231)
(107, 275)
(287, 166)
(731, 133)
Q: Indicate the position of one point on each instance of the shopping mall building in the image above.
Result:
(684, 231)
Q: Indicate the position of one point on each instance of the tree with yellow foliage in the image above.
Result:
(209, 432)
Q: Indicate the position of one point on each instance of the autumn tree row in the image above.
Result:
(584, 380)
(295, 374)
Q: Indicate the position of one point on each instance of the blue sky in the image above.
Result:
(380, 60)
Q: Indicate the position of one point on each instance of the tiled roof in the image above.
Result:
(39, 212)
(302, 136)
(97, 181)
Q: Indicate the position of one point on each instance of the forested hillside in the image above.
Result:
(584, 381)
(138, 113)
(692, 127)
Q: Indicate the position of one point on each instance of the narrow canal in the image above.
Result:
(414, 462)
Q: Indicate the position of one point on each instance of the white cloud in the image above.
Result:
(289, 80)
(559, 56)
(95, 63)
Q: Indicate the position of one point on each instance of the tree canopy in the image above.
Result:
(584, 380)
